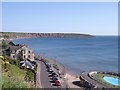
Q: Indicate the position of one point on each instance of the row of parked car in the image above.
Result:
(53, 75)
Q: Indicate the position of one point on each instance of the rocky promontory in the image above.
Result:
(43, 35)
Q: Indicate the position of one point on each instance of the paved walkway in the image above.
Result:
(86, 77)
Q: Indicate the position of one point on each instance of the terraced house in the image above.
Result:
(23, 51)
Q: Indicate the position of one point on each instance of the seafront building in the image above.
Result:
(22, 51)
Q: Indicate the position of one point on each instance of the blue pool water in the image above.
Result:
(112, 80)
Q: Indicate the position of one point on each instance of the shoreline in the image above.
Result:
(67, 69)
(69, 75)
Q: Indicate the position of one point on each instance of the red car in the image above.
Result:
(57, 83)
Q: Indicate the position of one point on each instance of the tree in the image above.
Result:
(29, 76)
(6, 36)
(4, 44)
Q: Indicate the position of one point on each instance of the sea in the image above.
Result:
(98, 53)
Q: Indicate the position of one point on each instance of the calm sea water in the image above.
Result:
(78, 54)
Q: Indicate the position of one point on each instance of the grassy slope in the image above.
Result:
(14, 78)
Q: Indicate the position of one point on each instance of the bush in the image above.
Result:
(14, 62)
(29, 75)
(56, 66)
(4, 44)
(6, 67)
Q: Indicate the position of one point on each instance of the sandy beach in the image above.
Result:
(71, 79)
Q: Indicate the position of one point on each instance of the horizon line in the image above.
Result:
(64, 32)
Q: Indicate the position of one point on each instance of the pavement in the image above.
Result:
(42, 77)
(38, 81)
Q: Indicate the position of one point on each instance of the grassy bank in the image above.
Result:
(14, 77)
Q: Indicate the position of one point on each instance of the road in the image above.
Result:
(85, 76)
(42, 79)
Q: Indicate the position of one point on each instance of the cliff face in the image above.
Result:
(77, 35)
(43, 35)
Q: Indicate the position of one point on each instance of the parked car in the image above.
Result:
(57, 83)
(48, 65)
(53, 73)
(54, 79)
(50, 70)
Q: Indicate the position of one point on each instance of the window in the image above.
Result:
(19, 51)
(28, 51)
(13, 56)
(23, 51)
(24, 56)
(28, 56)
(13, 51)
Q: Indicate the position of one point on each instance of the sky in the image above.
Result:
(96, 18)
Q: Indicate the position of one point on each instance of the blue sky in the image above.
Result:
(83, 17)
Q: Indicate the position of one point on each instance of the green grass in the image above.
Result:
(11, 83)
(99, 78)
(15, 71)
(14, 78)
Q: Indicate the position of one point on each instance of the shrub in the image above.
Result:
(29, 75)
(56, 66)
(6, 67)
(4, 44)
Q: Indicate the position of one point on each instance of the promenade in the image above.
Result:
(90, 80)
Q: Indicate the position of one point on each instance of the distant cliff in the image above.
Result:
(43, 35)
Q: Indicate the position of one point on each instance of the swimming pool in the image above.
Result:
(112, 80)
